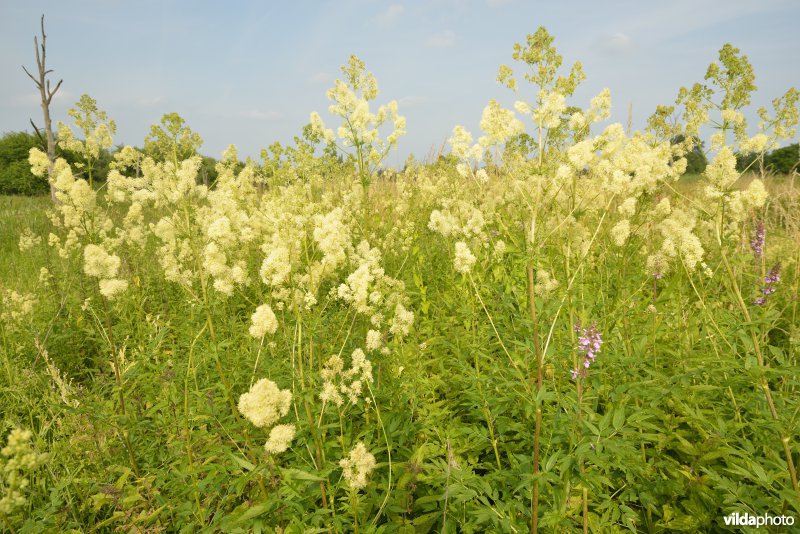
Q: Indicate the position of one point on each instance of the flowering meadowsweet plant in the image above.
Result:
(97, 129)
(553, 120)
(358, 135)
(16, 305)
(172, 139)
(468, 154)
(28, 240)
(99, 264)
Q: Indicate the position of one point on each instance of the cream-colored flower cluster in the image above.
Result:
(338, 383)
(374, 340)
(679, 243)
(263, 322)
(469, 155)
(373, 293)
(499, 125)
(15, 305)
(458, 219)
(99, 264)
(280, 437)
(357, 466)
(263, 406)
(332, 236)
(620, 232)
(545, 283)
(216, 254)
(28, 240)
(464, 260)
(548, 114)
(76, 211)
(265, 403)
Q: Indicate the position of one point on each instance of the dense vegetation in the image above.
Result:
(565, 337)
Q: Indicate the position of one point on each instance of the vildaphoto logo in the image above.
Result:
(747, 520)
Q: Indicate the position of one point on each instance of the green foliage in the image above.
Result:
(15, 171)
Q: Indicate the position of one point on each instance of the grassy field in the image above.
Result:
(670, 429)
(570, 338)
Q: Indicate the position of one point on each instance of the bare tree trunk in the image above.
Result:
(43, 84)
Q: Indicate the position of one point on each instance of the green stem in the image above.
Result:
(388, 452)
(538, 387)
(187, 427)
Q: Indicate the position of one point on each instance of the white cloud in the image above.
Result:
(390, 15)
(257, 115)
(150, 102)
(408, 102)
(615, 43)
(320, 77)
(444, 39)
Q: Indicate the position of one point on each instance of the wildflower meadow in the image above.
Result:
(549, 327)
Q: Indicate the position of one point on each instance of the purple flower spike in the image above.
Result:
(589, 343)
(774, 275)
(770, 281)
(757, 244)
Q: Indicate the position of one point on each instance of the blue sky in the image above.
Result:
(250, 73)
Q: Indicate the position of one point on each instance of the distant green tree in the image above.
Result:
(207, 174)
(780, 161)
(15, 171)
(747, 161)
(783, 160)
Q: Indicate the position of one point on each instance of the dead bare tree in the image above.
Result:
(43, 84)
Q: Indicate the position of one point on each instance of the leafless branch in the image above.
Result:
(31, 76)
(53, 92)
(39, 135)
(46, 94)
